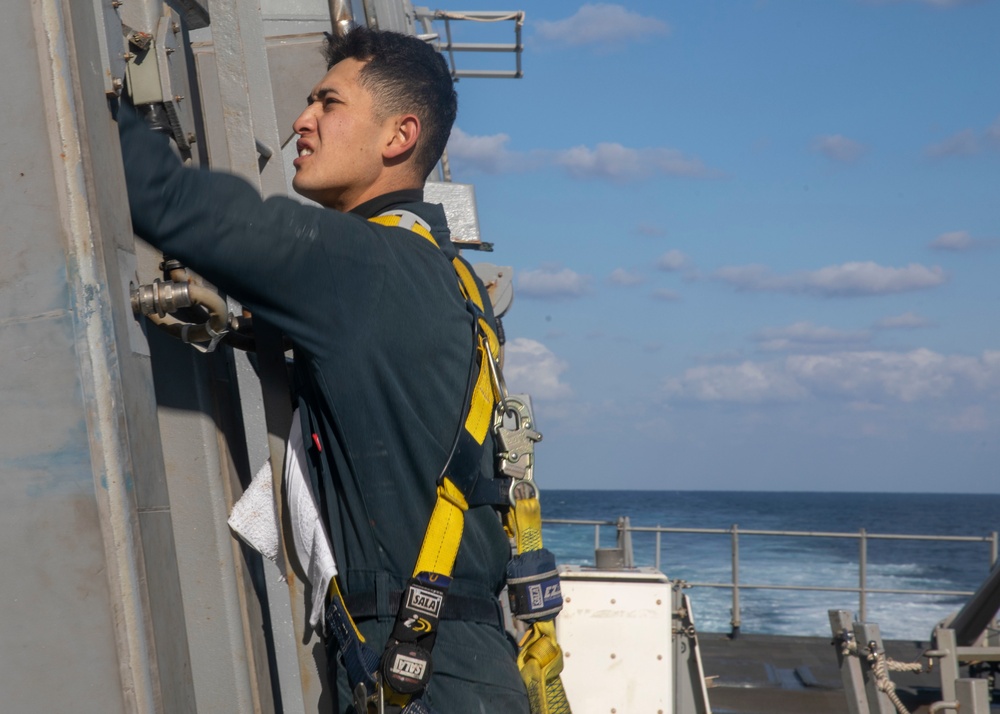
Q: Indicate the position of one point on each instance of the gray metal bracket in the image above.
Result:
(948, 663)
(842, 626)
(973, 696)
(157, 74)
(690, 692)
(855, 640)
(194, 12)
(868, 636)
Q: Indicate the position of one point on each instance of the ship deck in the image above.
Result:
(770, 674)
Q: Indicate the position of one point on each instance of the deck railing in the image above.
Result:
(625, 530)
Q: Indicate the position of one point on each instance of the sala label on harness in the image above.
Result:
(539, 596)
(407, 668)
(404, 666)
(420, 609)
(424, 600)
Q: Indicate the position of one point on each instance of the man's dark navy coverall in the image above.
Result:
(383, 347)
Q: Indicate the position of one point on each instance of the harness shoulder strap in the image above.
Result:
(483, 398)
(408, 220)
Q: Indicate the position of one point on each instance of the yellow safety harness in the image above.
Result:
(398, 677)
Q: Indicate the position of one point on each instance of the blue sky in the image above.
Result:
(756, 244)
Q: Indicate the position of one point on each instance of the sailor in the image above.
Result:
(383, 339)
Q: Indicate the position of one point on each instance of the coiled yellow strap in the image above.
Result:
(539, 658)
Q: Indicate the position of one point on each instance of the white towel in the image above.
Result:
(255, 517)
(256, 521)
(312, 545)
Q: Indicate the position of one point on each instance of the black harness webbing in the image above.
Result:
(403, 671)
(367, 605)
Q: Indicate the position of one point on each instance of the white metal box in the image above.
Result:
(615, 632)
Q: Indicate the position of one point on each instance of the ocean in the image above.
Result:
(892, 564)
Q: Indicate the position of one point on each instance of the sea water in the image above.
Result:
(827, 562)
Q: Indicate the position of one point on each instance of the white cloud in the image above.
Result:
(955, 241)
(867, 377)
(664, 295)
(600, 24)
(806, 336)
(671, 261)
(552, 284)
(846, 280)
(967, 142)
(970, 419)
(531, 367)
(621, 163)
(961, 242)
(903, 376)
(488, 154)
(620, 276)
(839, 148)
(611, 161)
(964, 143)
(908, 320)
(650, 229)
(747, 383)
(992, 132)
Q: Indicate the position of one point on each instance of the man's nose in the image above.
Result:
(305, 122)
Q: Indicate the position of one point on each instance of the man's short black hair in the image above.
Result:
(404, 75)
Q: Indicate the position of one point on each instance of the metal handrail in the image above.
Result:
(448, 47)
(734, 532)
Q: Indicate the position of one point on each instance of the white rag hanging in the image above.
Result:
(255, 520)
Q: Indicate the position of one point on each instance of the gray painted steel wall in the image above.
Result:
(124, 590)
(90, 590)
(121, 455)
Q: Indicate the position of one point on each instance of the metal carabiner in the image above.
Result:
(516, 437)
(361, 698)
(498, 384)
(520, 491)
(373, 703)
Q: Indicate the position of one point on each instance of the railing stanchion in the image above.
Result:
(863, 576)
(992, 638)
(736, 582)
(658, 546)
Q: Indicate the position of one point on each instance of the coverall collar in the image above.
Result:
(412, 199)
(376, 205)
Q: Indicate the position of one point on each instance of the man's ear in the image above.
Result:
(404, 137)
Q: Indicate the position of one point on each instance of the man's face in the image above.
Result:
(340, 142)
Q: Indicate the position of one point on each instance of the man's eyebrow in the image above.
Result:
(320, 95)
